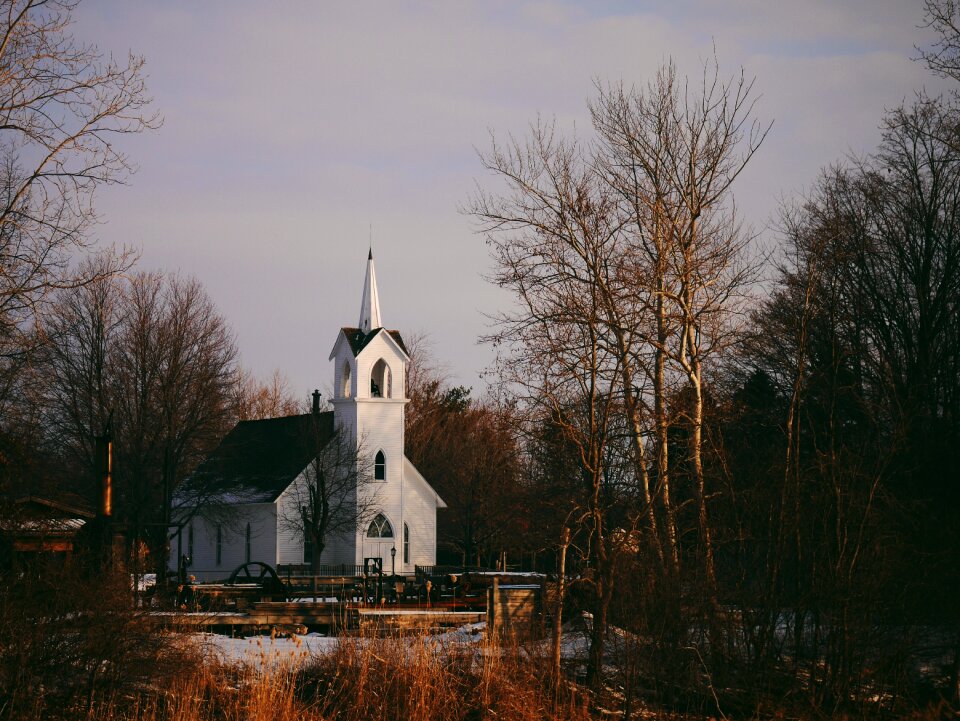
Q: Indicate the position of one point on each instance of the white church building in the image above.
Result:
(253, 482)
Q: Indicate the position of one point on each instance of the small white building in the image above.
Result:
(245, 492)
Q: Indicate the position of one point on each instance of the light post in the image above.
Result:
(393, 561)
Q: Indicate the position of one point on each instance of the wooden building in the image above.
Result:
(246, 493)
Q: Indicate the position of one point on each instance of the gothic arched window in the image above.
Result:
(380, 467)
(406, 543)
(345, 380)
(247, 544)
(380, 527)
(380, 380)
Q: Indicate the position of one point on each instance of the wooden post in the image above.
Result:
(558, 608)
(492, 602)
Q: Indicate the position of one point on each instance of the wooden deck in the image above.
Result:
(347, 603)
(332, 616)
(400, 618)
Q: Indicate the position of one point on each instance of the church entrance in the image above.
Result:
(378, 541)
(381, 551)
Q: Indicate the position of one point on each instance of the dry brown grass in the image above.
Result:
(410, 678)
(414, 678)
(422, 678)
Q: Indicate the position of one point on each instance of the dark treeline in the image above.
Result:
(470, 451)
(145, 358)
(761, 485)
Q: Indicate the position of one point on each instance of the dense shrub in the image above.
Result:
(71, 640)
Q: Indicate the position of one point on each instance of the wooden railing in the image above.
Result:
(423, 572)
(334, 569)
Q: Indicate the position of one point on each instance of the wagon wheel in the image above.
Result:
(262, 574)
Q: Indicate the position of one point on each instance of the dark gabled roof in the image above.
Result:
(358, 339)
(258, 460)
(65, 504)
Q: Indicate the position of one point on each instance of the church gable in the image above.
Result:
(381, 368)
(358, 340)
(356, 354)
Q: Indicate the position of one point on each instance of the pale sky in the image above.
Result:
(292, 127)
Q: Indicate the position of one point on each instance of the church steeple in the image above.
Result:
(370, 302)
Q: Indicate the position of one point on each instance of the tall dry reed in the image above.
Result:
(423, 677)
(416, 677)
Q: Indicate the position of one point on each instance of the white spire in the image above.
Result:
(370, 303)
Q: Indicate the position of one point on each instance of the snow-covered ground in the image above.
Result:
(261, 651)
(264, 651)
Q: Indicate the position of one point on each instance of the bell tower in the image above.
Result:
(369, 380)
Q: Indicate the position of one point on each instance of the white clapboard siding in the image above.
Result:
(263, 541)
(420, 513)
(339, 549)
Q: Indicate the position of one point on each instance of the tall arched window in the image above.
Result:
(380, 527)
(190, 540)
(380, 467)
(219, 550)
(246, 548)
(406, 543)
(380, 380)
(345, 380)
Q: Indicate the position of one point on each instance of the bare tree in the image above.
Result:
(255, 399)
(943, 57)
(856, 349)
(81, 329)
(151, 351)
(671, 152)
(62, 105)
(628, 266)
(336, 495)
(553, 233)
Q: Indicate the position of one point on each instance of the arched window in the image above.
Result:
(190, 540)
(380, 467)
(219, 543)
(380, 527)
(406, 543)
(246, 548)
(380, 380)
(345, 380)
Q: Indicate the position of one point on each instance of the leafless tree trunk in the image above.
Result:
(558, 610)
(336, 496)
(549, 232)
(671, 154)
